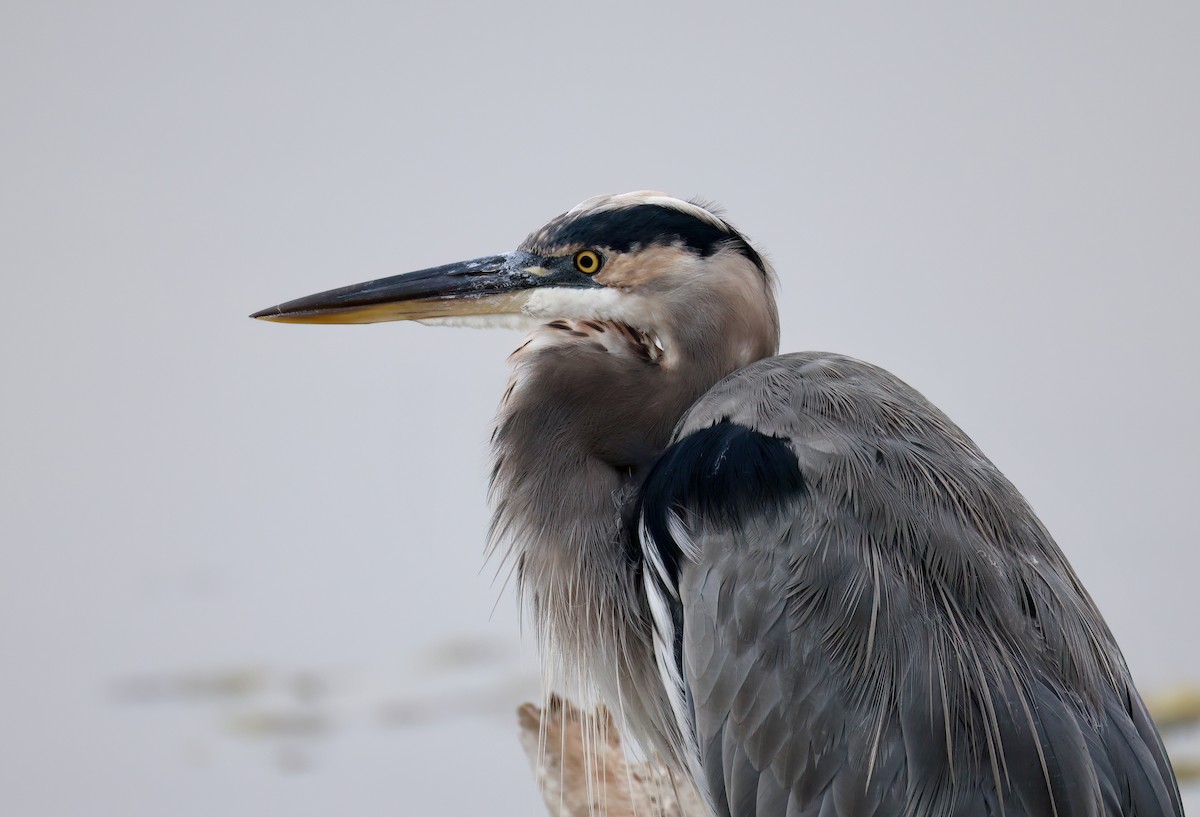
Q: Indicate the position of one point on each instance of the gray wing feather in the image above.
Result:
(901, 636)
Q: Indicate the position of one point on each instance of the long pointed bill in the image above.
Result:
(496, 285)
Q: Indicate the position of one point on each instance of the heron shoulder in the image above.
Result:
(894, 478)
(799, 394)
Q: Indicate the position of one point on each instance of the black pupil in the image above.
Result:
(587, 262)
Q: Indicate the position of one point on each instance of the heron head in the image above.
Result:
(645, 258)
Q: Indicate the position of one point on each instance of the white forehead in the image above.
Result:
(618, 201)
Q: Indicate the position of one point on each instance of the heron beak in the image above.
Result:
(496, 285)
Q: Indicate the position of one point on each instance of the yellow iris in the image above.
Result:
(587, 262)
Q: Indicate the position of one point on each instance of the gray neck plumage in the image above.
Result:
(590, 406)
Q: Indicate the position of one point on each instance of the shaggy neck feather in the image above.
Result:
(576, 431)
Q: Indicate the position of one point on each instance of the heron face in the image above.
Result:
(610, 258)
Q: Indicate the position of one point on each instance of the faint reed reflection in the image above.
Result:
(292, 712)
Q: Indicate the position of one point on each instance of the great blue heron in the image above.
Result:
(794, 576)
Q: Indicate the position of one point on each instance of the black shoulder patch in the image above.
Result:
(726, 473)
(648, 225)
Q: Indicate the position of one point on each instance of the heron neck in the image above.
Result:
(578, 424)
(591, 404)
(589, 408)
(576, 428)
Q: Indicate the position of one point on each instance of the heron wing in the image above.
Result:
(859, 615)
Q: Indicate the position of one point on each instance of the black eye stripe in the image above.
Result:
(646, 225)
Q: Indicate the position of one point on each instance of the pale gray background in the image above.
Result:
(1002, 205)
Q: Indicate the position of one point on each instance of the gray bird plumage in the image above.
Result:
(791, 576)
(907, 615)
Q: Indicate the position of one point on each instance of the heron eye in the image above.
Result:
(587, 261)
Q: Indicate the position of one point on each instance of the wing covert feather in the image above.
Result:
(892, 631)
